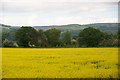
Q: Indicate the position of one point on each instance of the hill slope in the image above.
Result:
(76, 28)
(9, 31)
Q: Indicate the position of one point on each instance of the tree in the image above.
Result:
(107, 36)
(67, 38)
(118, 34)
(109, 40)
(109, 43)
(7, 43)
(90, 37)
(53, 37)
(74, 42)
(1, 40)
(75, 37)
(26, 36)
(41, 39)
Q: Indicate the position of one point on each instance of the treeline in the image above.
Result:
(89, 37)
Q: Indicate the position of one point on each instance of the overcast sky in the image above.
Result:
(57, 12)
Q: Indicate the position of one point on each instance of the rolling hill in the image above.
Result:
(111, 28)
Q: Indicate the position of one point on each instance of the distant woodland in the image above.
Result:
(73, 35)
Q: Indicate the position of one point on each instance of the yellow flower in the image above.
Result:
(60, 62)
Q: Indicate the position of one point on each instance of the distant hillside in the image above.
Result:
(105, 27)
(76, 28)
(9, 31)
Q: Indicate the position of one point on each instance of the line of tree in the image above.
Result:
(89, 37)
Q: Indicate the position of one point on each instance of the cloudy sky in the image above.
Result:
(57, 12)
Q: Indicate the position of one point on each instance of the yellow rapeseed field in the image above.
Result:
(60, 62)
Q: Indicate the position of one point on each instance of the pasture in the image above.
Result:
(60, 62)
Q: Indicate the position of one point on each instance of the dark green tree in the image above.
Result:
(107, 36)
(53, 37)
(26, 36)
(67, 38)
(90, 37)
(1, 40)
(75, 37)
(109, 40)
(42, 42)
(118, 34)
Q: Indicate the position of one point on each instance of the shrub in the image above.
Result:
(7, 43)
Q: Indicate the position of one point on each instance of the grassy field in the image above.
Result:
(60, 63)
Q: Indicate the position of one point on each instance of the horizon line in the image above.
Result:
(59, 25)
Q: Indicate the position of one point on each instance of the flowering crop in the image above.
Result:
(60, 62)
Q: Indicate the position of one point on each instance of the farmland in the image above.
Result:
(59, 62)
